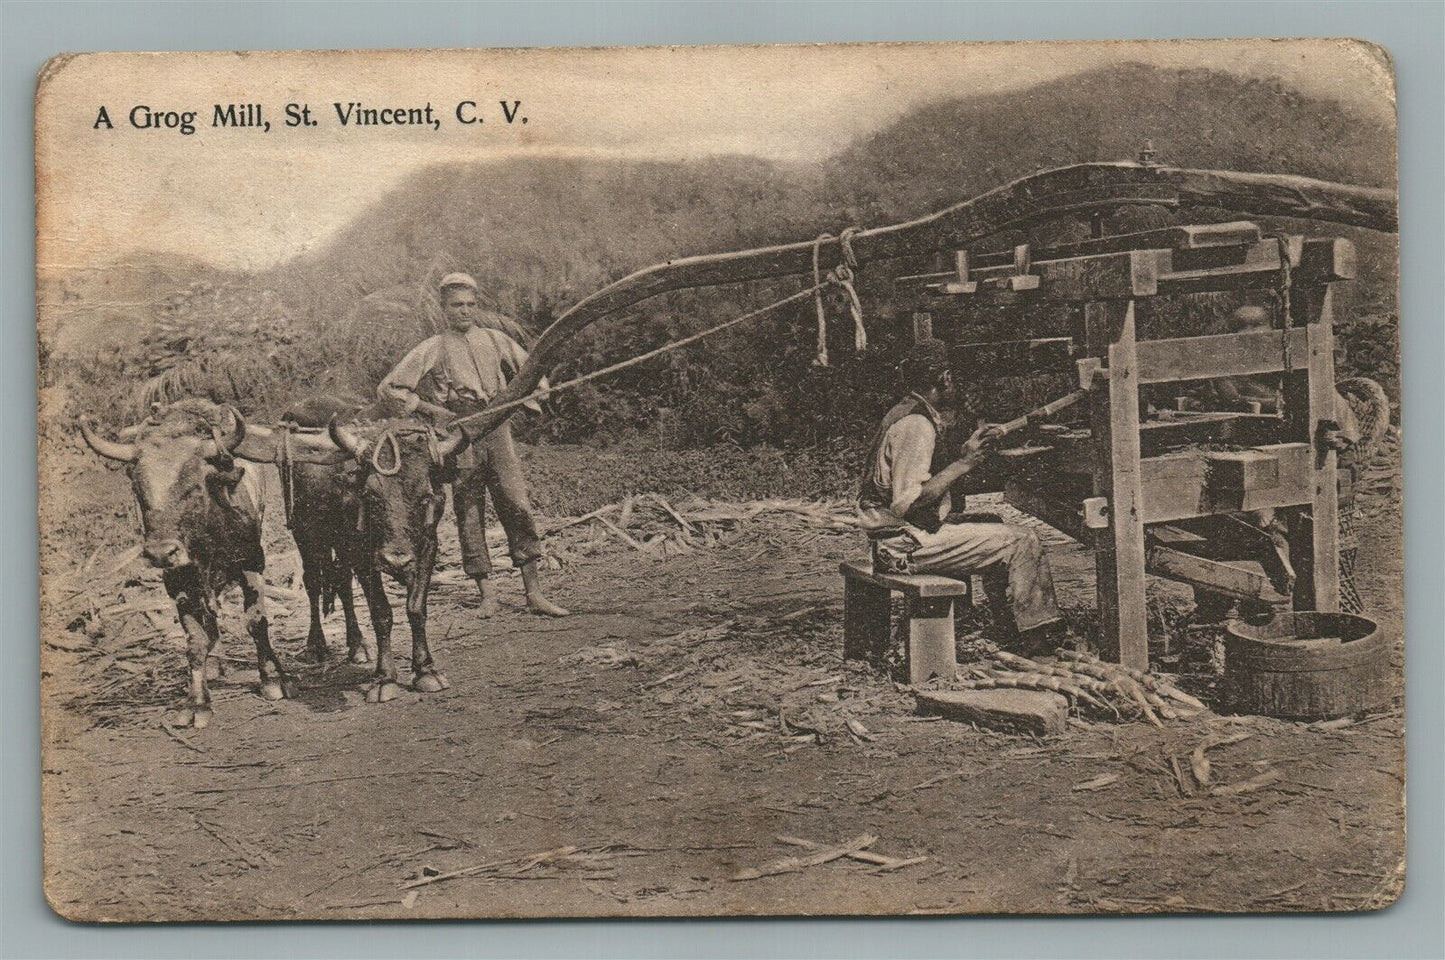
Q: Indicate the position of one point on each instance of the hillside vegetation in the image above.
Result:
(541, 234)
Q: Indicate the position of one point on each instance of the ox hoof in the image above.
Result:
(281, 689)
(196, 717)
(383, 692)
(215, 668)
(430, 683)
(360, 655)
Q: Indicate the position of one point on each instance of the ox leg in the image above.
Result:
(192, 610)
(313, 575)
(276, 683)
(425, 678)
(357, 648)
(383, 686)
(215, 665)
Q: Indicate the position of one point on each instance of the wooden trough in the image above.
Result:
(1306, 666)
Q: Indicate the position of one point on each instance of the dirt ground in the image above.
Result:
(692, 711)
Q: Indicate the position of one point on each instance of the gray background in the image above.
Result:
(1412, 32)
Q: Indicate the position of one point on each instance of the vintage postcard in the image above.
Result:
(868, 479)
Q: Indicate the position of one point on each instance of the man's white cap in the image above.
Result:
(457, 280)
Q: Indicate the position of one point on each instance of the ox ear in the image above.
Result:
(258, 445)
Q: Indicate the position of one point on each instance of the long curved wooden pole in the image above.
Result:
(1075, 189)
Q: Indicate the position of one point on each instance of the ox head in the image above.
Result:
(181, 462)
(401, 495)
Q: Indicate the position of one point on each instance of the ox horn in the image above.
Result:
(238, 430)
(109, 449)
(453, 442)
(346, 438)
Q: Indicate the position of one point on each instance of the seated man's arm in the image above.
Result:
(913, 488)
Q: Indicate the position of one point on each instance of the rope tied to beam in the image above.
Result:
(840, 276)
(542, 394)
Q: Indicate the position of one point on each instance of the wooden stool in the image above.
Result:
(866, 626)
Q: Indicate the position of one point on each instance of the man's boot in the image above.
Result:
(536, 602)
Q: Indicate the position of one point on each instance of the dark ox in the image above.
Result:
(378, 514)
(201, 513)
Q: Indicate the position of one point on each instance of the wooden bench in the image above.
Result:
(867, 630)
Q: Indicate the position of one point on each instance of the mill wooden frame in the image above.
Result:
(1142, 502)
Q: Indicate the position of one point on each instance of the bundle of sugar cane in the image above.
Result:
(1035, 681)
(1099, 682)
(1016, 664)
(1148, 680)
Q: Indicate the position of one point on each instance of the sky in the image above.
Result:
(241, 197)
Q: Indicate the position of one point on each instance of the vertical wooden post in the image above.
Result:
(1309, 399)
(1119, 549)
(922, 326)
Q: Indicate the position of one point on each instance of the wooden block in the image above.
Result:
(930, 639)
(1180, 486)
(1325, 260)
(1242, 470)
(1015, 711)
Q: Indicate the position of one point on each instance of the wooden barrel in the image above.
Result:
(1306, 666)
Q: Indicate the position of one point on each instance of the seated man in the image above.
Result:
(901, 507)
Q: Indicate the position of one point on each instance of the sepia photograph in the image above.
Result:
(854, 479)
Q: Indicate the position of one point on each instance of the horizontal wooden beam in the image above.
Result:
(1062, 515)
(1014, 357)
(1244, 429)
(1222, 578)
(1106, 276)
(1226, 355)
(1189, 237)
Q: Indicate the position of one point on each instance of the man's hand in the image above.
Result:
(435, 412)
(981, 440)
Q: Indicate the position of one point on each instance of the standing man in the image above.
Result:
(902, 507)
(455, 373)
